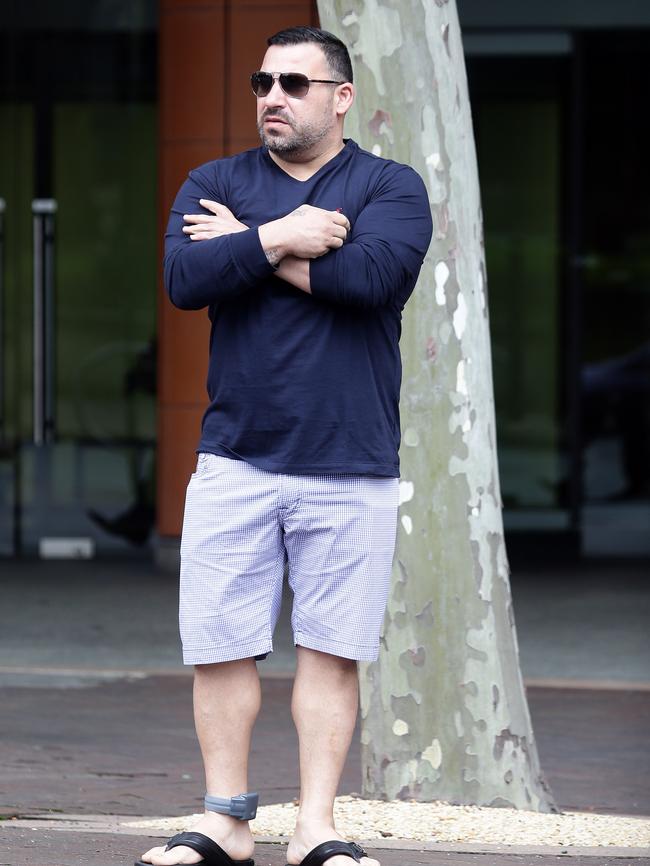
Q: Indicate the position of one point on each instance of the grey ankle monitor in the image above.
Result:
(243, 806)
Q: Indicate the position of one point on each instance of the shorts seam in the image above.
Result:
(356, 652)
(269, 624)
(327, 640)
(250, 650)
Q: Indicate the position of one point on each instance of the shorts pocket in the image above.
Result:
(208, 464)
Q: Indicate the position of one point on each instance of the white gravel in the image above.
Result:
(440, 822)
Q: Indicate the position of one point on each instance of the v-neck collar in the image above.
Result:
(349, 146)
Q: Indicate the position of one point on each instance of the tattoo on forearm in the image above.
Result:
(273, 256)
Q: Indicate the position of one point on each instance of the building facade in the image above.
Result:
(105, 106)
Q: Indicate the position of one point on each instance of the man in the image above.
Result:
(305, 251)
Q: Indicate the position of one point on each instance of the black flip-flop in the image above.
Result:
(318, 855)
(213, 854)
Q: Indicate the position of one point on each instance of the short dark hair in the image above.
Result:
(338, 58)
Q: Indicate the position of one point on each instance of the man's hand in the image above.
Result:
(203, 226)
(314, 231)
(307, 233)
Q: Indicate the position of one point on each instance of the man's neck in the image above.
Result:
(303, 166)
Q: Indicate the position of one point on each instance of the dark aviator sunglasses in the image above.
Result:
(293, 83)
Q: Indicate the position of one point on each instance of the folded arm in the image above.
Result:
(198, 274)
(383, 256)
(384, 252)
(232, 258)
(307, 248)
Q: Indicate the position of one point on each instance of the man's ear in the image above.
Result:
(344, 98)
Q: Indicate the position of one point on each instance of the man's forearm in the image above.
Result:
(295, 271)
(288, 243)
(273, 237)
(306, 233)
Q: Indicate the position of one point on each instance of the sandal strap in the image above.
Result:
(325, 850)
(213, 854)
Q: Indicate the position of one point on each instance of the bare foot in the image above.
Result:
(233, 835)
(309, 834)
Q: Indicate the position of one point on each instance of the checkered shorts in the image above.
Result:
(242, 524)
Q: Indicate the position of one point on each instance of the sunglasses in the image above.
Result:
(293, 83)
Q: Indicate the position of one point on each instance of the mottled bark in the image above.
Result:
(444, 712)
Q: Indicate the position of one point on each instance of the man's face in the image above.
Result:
(289, 126)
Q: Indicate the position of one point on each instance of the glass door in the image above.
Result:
(519, 108)
(567, 235)
(78, 258)
(615, 320)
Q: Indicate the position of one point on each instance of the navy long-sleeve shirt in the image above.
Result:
(300, 383)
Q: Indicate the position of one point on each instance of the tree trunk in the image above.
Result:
(444, 713)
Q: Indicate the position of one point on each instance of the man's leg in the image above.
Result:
(340, 538)
(226, 703)
(324, 707)
(232, 562)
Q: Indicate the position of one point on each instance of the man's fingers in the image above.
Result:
(200, 227)
(196, 217)
(341, 219)
(214, 206)
(340, 233)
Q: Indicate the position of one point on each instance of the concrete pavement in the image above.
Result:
(95, 716)
(127, 747)
(582, 623)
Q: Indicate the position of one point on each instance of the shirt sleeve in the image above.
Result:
(199, 273)
(382, 257)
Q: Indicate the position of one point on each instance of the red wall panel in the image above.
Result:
(208, 49)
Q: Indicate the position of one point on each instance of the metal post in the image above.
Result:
(43, 211)
(2, 319)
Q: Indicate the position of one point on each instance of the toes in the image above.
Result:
(177, 856)
(161, 857)
(152, 852)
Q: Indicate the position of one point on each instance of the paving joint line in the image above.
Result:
(187, 670)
